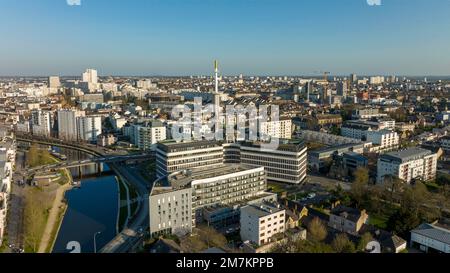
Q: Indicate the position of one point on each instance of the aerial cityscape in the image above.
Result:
(117, 142)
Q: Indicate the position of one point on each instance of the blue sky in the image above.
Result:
(253, 37)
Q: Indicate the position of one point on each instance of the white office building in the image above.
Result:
(177, 201)
(409, 164)
(172, 157)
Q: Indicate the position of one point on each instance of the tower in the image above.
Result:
(216, 95)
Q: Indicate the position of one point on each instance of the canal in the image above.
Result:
(92, 208)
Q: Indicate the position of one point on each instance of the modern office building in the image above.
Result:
(286, 164)
(178, 201)
(89, 128)
(409, 164)
(261, 222)
(172, 156)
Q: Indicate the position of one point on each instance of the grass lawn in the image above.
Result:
(276, 188)
(379, 221)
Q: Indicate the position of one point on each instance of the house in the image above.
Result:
(348, 220)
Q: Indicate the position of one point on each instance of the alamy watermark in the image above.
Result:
(237, 123)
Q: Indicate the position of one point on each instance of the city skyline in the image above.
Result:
(159, 38)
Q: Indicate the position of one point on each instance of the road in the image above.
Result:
(126, 240)
(326, 182)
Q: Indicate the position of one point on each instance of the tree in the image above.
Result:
(341, 244)
(360, 183)
(365, 239)
(211, 237)
(317, 230)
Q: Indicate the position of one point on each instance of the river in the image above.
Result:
(91, 209)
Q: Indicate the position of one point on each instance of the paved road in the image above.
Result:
(130, 236)
(16, 206)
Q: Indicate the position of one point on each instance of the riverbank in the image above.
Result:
(54, 220)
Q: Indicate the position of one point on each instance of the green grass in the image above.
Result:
(276, 188)
(378, 221)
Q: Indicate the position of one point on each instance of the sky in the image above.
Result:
(252, 37)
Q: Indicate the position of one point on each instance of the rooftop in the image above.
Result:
(262, 209)
(406, 155)
(435, 232)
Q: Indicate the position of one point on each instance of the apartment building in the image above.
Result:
(172, 156)
(89, 128)
(261, 222)
(431, 238)
(409, 164)
(7, 162)
(380, 134)
(147, 135)
(177, 201)
(68, 124)
(41, 123)
(367, 113)
(277, 129)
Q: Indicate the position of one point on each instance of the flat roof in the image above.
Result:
(183, 179)
(406, 155)
(262, 209)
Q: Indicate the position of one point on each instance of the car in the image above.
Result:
(311, 195)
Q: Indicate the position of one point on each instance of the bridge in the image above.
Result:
(87, 162)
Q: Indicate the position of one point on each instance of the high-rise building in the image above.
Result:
(54, 82)
(41, 123)
(90, 76)
(67, 124)
(147, 135)
(342, 89)
(89, 128)
(353, 78)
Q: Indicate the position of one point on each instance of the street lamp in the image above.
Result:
(95, 241)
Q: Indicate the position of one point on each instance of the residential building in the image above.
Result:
(367, 113)
(146, 135)
(408, 165)
(261, 222)
(41, 123)
(172, 157)
(67, 124)
(54, 82)
(277, 129)
(106, 140)
(348, 220)
(89, 128)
